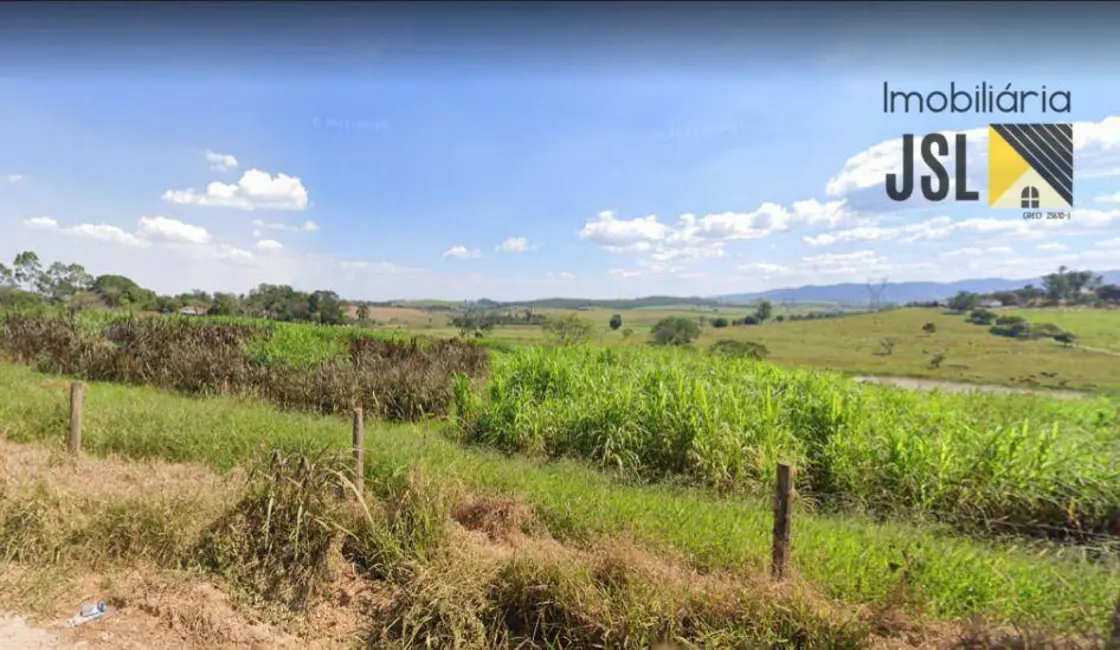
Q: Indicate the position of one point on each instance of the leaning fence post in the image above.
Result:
(783, 516)
(359, 451)
(74, 440)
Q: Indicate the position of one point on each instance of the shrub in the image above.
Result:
(981, 317)
(616, 321)
(745, 349)
(1046, 330)
(1015, 328)
(569, 329)
(675, 330)
(290, 365)
(1065, 338)
(929, 328)
(719, 322)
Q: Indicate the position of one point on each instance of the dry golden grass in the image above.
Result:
(426, 565)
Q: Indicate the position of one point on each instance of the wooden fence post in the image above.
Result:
(74, 440)
(783, 516)
(1114, 642)
(359, 451)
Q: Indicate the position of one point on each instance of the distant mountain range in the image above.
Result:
(894, 292)
(849, 293)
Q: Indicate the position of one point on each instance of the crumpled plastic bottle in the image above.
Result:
(89, 612)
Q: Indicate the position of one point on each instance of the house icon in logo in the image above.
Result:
(1030, 166)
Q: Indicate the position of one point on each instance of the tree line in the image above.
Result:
(26, 283)
(1063, 287)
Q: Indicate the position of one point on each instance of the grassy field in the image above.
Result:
(904, 497)
(853, 345)
(922, 570)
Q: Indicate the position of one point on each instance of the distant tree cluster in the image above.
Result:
(478, 321)
(1063, 287)
(26, 284)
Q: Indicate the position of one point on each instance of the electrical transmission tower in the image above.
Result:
(876, 288)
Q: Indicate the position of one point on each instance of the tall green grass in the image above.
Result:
(1012, 462)
(849, 558)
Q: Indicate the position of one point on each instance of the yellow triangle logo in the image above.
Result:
(1005, 166)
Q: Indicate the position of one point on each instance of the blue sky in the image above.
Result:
(401, 172)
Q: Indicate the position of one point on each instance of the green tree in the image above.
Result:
(84, 301)
(569, 329)
(719, 322)
(1109, 293)
(7, 278)
(363, 313)
(616, 321)
(62, 281)
(27, 270)
(118, 291)
(18, 298)
(627, 333)
(326, 307)
(224, 304)
(675, 330)
(964, 301)
(763, 311)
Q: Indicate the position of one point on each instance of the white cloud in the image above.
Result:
(255, 190)
(221, 161)
(269, 245)
(642, 234)
(1108, 198)
(462, 252)
(1110, 243)
(234, 254)
(623, 274)
(619, 235)
(1096, 147)
(306, 226)
(714, 251)
(1093, 217)
(41, 223)
(1052, 246)
(174, 230)
(13, 178)
(100, 232)
(106, 233)
(564, 275)
(846, 263)
(765, 268)
(514, 245)
(861, 234)
(977, 252)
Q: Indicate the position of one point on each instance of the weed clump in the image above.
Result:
(394, 379)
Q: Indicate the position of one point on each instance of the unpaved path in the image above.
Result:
(961, 387)
(16, 633)
(1112, 353)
